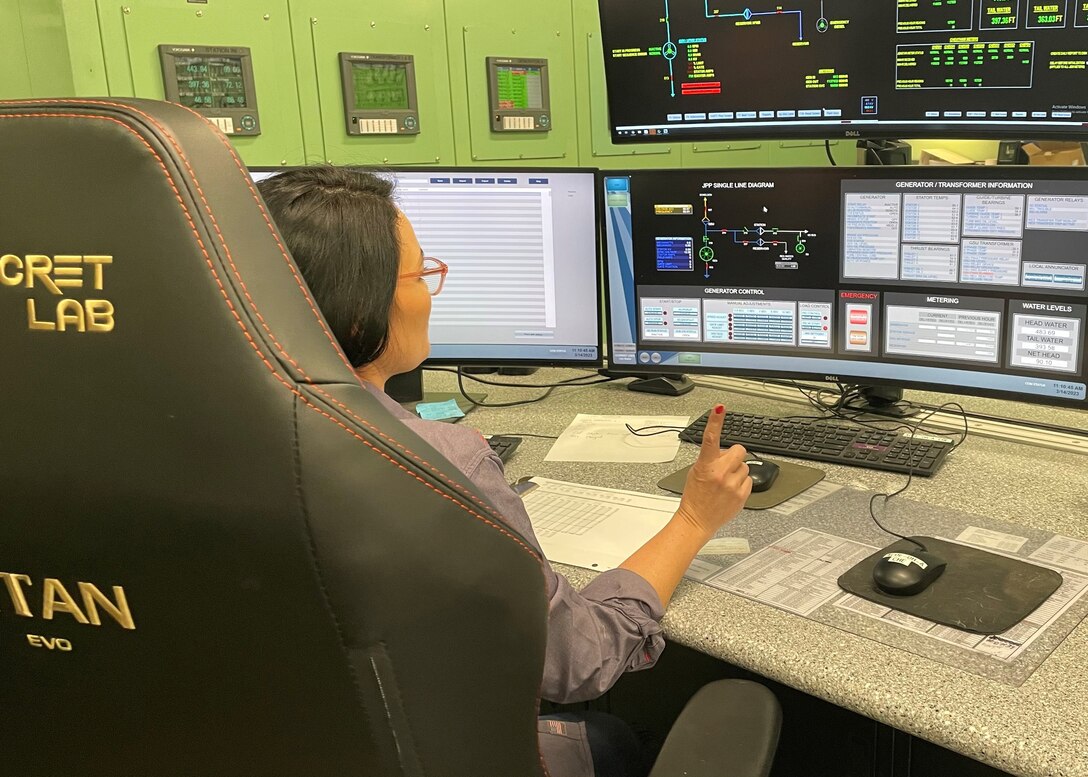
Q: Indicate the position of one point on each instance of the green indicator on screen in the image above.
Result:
(380, 86)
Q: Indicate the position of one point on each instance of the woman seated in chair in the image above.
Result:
(364, 265)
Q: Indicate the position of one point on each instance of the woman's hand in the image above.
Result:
(718, 484)
(717, 487)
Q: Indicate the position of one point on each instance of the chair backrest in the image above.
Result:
(218, 554)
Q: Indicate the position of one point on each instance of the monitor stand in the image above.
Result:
(407, 389)
(882, 400)
(883, 152)
(669, 385)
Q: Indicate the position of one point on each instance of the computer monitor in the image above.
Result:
(969, 280)
(708, 69)
(522, 246)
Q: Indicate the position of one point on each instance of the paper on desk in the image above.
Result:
(988, 538)
(1063, 552)
(724, 546)
(592, 527)
(605, 438)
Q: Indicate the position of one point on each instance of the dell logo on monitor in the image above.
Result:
(831, 378)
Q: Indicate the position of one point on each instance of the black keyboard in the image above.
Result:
(503, 445)
(826, 441)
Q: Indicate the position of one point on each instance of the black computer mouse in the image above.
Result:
(907, 574)
(762, 473)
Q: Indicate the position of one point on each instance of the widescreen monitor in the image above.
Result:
(720, 69)
(522, 247)
(970, 280)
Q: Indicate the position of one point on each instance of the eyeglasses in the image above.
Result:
(433, 274)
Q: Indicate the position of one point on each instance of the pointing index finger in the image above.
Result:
(712, 434)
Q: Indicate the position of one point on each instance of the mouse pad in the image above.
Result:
(792, 480)
(980, 592)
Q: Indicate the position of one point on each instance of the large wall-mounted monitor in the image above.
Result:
(522, 246)
(969, 280)
(720, 69)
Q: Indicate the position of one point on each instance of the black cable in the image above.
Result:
(841, 410)
(827, 148)
(478, 403)
(577, 380)
(910, 472)
(927, 406)
(641, 431)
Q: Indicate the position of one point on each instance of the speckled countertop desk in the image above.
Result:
(1038, 729)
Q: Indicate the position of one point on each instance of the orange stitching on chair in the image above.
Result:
(253, 344)
(290, 265)
(271, 228)
(241, 323)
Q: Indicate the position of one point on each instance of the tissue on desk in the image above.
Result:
(605, 438)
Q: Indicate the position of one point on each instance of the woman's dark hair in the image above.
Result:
(341, 228)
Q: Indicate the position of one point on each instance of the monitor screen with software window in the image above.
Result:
(681, 70)
(522, 248)
(969, 280)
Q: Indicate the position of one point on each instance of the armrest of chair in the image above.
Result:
(729, 728)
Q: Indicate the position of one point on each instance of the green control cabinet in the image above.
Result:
(132, 33)
(434, 109)
(478, 29)
(595, 146)
(407, 31)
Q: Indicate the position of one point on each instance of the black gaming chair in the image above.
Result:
(218, 555)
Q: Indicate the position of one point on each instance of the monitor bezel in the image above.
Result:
(648, 370)
(589, 364)
(842, 130)
(861, 131)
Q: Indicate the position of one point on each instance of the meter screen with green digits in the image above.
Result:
(210, 81)
(380, 86)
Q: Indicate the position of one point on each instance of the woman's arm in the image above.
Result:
(716, 489)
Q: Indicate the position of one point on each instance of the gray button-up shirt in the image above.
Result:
(594, 635)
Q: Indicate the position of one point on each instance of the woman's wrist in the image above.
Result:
(692, 527)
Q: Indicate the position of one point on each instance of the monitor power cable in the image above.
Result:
(827, 148)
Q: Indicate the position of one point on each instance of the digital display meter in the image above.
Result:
(518, 94)
(379, 94)
(215, 81)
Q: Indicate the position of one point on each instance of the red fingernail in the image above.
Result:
(719, 409)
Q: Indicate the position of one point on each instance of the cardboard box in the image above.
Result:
(942, 156)
(1052, 152)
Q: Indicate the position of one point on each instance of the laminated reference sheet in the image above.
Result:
(799, 573)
